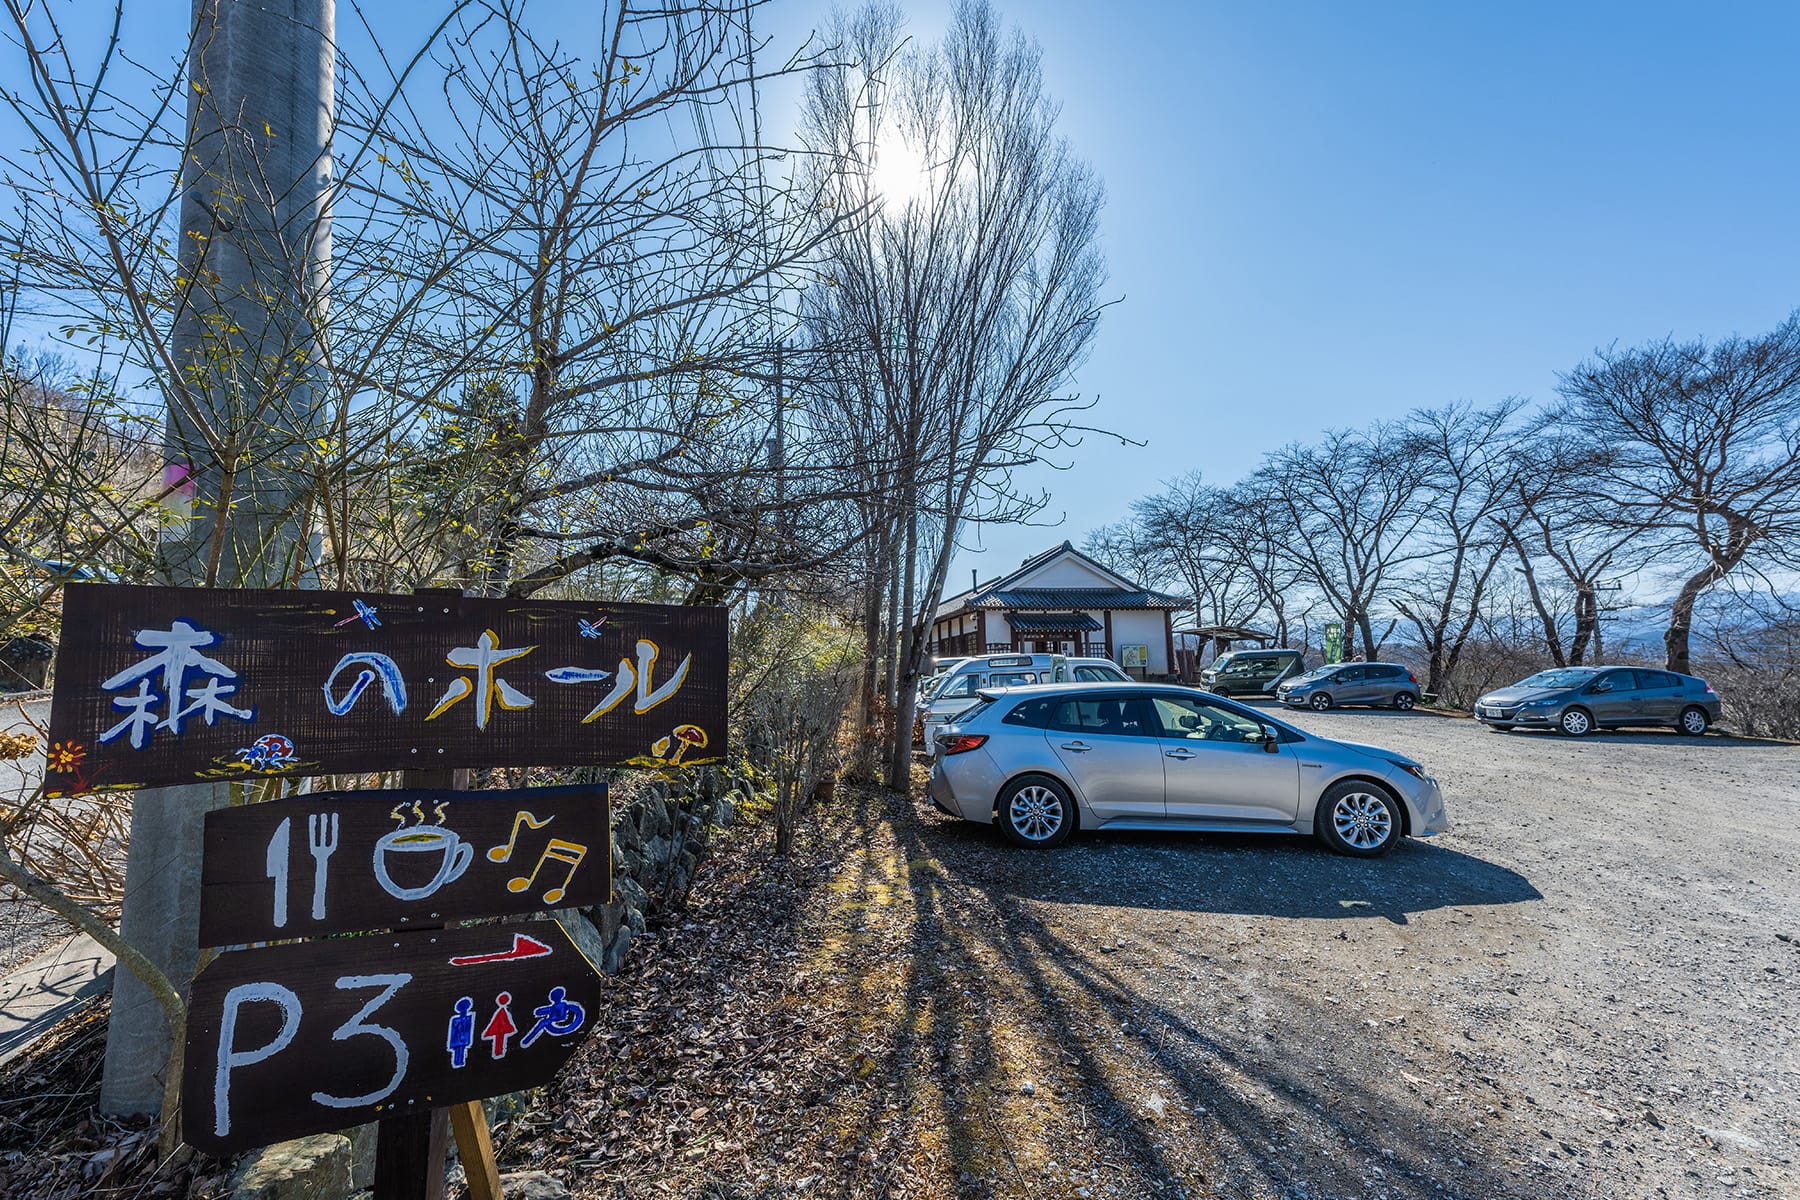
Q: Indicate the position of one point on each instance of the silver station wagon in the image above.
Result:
(1041, 762)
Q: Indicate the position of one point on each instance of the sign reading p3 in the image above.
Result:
(305, 1038)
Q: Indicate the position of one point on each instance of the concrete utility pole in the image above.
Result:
(256, 246)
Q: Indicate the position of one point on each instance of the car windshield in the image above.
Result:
(1316, 673)
(1559, 677)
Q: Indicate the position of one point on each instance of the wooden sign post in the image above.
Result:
(334, 862)
(170, 685)
(176, 685)
(305, 1038)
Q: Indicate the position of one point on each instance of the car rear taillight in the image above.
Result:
(962, 743)
(1412, 679)
(1708, 688)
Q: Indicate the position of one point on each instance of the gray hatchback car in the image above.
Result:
(1386, 684)
(1579, 700)
(1040, 762)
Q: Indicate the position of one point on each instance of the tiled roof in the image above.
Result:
(1000, 594)
(1071, 598)
(1052, 622)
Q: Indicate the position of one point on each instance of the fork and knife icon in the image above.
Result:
(322, 841)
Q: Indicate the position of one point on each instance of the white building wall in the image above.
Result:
(1065, 572)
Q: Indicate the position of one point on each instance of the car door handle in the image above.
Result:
(1077, 747)
(1179, 754)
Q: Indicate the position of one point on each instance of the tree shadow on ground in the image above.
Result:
(960, 989)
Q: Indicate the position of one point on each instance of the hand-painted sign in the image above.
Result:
(337, 861)
(173, 685)
(291, 1040)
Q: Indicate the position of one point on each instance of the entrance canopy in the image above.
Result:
(1052, 622)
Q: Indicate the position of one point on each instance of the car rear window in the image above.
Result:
(974, 710)
(1032, 714)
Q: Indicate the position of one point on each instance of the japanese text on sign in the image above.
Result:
(168, 685)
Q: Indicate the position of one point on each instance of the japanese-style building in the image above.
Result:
(1062, 601)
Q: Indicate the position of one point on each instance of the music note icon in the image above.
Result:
(557, 851)
(501, 854)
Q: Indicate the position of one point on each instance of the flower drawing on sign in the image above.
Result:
(628, 680)
(65, 757)
(162, 679)
(487, 688)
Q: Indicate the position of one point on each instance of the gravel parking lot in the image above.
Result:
(1587, 988)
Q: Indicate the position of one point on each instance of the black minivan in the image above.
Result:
(1251, 672)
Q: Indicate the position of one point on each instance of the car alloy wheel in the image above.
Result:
(1576, 722)
(1358, 818)
(1320, 701)
(1035, 811)
(1693, 721)
(1362, 820)
(1404, 701)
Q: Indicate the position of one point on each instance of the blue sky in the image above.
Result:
(1321, 214)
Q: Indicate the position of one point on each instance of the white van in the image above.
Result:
(955, 689)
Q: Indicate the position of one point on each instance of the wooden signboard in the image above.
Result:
(337, 861)
(173, 685)
(291, 1040)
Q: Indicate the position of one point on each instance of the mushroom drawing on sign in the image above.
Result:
(689, 736)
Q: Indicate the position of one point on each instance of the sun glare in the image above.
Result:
(899, 173)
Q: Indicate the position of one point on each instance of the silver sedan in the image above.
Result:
(1040, 762)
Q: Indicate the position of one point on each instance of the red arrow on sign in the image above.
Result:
(522, 947)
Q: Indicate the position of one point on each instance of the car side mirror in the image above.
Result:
(1271, 741)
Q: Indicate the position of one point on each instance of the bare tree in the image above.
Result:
(1467, 458)
(1259, 531)
(1354, 503)
(1557, 518)
(1699, 446)
(975, 295)
(1182, 538)
(565, 281)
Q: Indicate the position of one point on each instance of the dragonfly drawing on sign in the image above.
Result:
(590, 629)
(366, 612)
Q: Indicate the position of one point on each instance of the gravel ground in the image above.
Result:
(1587, 988)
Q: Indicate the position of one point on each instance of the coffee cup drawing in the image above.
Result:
(422, 839)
